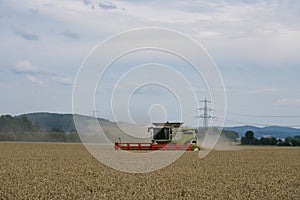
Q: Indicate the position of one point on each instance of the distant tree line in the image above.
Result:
(22, 129)
(250, 139)
(65, 122)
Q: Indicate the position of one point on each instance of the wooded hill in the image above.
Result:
(54, 127)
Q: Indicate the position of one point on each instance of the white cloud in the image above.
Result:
(62, 80)
(287, 102)
(207, 34)
(34, 80)
(106, 5)
(24, 66)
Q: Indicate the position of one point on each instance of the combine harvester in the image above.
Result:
(162, 135)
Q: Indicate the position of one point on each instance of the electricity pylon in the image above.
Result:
(205, 116)
(94, 113)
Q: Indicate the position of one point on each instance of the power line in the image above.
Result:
(246, 123)
(275, 116)
(257, 124)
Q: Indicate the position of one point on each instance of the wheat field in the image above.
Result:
(68, 171)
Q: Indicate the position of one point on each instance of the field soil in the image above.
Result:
(68, 171)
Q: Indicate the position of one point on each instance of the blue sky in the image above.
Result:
(255, 45)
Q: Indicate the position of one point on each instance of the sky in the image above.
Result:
(254, 44)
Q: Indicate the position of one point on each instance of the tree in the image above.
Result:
(255, 141)
(26, 123)
(57, 130)
(288, 140)
(230, 135)
(265, 141)
(7, 137)
(244, 140)
(295, 141)
(273, 141)
(249, 138)
(249, 135)
(73, 137)
(56, 137)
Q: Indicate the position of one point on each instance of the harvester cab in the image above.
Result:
(162, 133)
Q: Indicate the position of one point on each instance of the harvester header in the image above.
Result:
(161, 134)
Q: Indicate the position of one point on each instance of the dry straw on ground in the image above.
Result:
(67, 171)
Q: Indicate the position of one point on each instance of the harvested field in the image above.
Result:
(67, 171)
